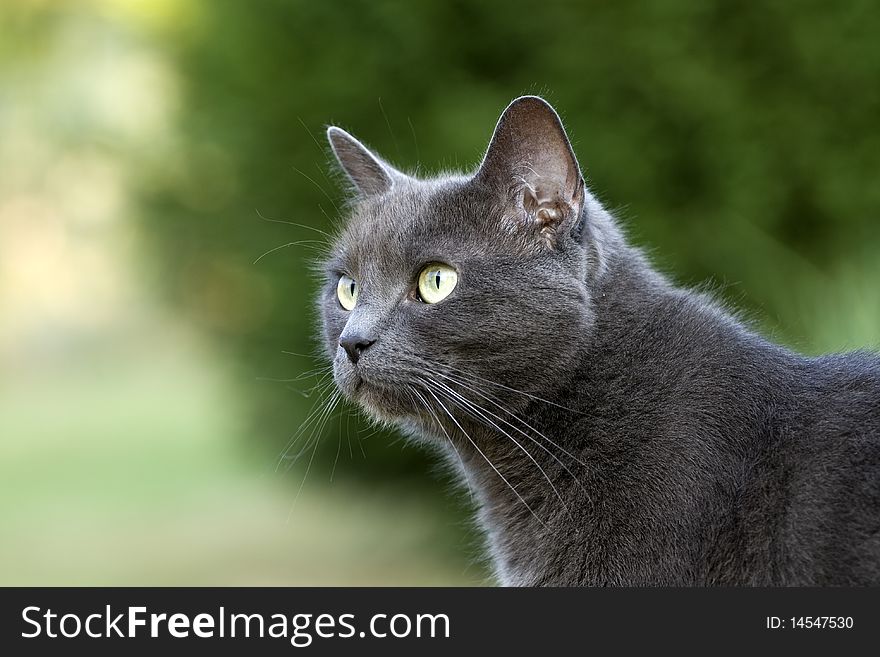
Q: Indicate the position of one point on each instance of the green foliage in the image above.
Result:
(738, 141)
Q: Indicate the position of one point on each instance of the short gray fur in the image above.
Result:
(614, 428)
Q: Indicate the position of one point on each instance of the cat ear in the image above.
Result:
(369, 174)
(530, 160)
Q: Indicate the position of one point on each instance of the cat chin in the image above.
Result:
(382, 404)
(377, 401)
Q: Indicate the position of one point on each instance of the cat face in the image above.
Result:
(440, 290)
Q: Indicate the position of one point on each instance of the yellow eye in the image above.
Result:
(347, 292)
(436, 282)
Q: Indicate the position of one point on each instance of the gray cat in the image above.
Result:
(615, 429)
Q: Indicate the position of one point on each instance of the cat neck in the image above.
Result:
(547, 470)
(537, 463)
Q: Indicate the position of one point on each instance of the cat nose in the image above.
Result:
(354, 346)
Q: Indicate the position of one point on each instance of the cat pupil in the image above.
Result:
(437, 275)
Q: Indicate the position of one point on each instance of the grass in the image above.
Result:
(129, 471)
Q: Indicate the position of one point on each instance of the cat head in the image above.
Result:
(442, 289)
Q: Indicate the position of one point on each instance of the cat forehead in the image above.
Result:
(414, 217)
(411, 204)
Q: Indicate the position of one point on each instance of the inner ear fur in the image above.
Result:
(530, 160)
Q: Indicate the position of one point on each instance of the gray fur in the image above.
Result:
(650, 436)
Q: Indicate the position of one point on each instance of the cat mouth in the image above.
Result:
(381, 403)
(377, 395)
(379, 399)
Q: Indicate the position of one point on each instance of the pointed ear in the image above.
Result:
(531, 162)
(369, 174)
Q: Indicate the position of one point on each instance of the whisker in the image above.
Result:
(316, 412)
(292, 223)
(388, 123)
(307, 393)
(374, 432)
(427, 407)
(336, 460)
(316, 409)
(322, 150)
(348, 433)
(491, 400)
(415, 141)
(288, 245)
(324, 212)
(305, 375)
(519, 392)
(317, 441)
(514, 416)
(360, 444)
(323, 191)
(296, 353)
(485, 458)
(481, 413)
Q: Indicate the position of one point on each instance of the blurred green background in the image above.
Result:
(153, 367)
